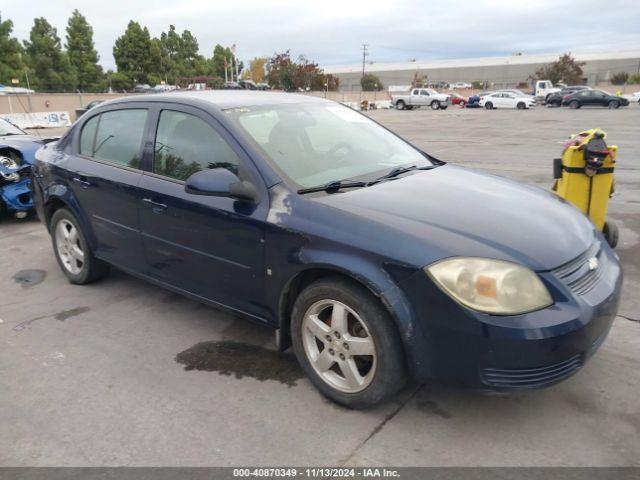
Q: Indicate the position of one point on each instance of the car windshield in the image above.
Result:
(7, 128)
(313, 144)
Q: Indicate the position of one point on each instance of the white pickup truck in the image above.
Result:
(543, 90)
(421, 97)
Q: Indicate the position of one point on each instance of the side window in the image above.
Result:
(185, 144)
(415, 92)
(88, 136)
(119, 137)
(424, 92)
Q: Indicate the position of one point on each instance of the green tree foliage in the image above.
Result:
(12, 63)
(82, 53)
(217, 62)
(287, 75)
(51, 68)
(566, 69)
(180, 56)
(619, 78)
(370, 83)
(134, 56)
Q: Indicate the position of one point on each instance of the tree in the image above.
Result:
(12, 64)
(134, 56)
(256, 70)
(370, 83)
(82, 53)
(285, 74)
(566, 69)
(180, 55)
(619, 78)
(221, 61)
(51, 68)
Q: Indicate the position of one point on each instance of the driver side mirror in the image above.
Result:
(220, 182)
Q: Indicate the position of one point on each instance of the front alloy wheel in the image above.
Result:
(347, 342)
(339, 346)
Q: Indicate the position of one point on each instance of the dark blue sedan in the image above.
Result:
(376, 261)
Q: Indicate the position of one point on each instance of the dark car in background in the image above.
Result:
(373, 258)
(593, 98)
(17, 151)
(555, 99)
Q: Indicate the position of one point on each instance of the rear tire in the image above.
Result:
(400, 105)
(72, 250)
(488, 106)
(332, 318)
(462, 103)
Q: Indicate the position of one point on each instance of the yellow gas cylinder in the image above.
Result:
(585, 177)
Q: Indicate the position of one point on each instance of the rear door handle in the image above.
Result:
(157, 206)
(83, 183)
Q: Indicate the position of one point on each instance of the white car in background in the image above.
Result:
(459, 85)
(517, 92)
(502, 99)
(635, 97)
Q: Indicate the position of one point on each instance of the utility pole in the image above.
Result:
(364, 56)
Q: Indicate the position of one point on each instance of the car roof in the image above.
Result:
(222, 99)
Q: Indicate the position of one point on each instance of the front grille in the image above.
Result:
(530, 377)
(578, 274)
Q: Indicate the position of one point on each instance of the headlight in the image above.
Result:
(491, 286)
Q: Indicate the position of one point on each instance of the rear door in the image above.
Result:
(424, 98)
(212, 247)
(104, 173)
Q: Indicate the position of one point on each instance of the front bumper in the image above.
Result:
(533, 350)
(16, 197)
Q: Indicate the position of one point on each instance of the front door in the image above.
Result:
(104, 175)
(208, 246)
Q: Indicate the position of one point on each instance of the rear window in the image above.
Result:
(115, 137)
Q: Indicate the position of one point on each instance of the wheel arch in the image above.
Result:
(312, 273)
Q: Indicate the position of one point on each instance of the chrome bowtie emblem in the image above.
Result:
(593, 263)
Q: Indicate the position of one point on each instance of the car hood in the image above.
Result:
(455, 211)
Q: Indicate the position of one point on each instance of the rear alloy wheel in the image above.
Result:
(574, 104)
(72, 250)
(462, 103)
(400, 105)
(613, 104)
(435, 105)
(488, 106)
(347, 343)
(521, 106)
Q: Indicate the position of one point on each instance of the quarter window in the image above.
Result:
(185, 144)
(115, 137)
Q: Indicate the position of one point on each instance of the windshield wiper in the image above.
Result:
(332, 186)
(398, 171)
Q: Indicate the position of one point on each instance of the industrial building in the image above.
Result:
(497, 72)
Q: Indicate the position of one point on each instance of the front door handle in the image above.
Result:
(83, 183)
(157, 206)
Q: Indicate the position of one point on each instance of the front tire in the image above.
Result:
(72, 250)
(435, 105)
(613, 104)
(521, 106)
(574, 104)
(347, 343)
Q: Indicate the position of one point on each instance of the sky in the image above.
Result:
(332, 32)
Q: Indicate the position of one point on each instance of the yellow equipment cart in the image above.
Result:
(584, 177)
